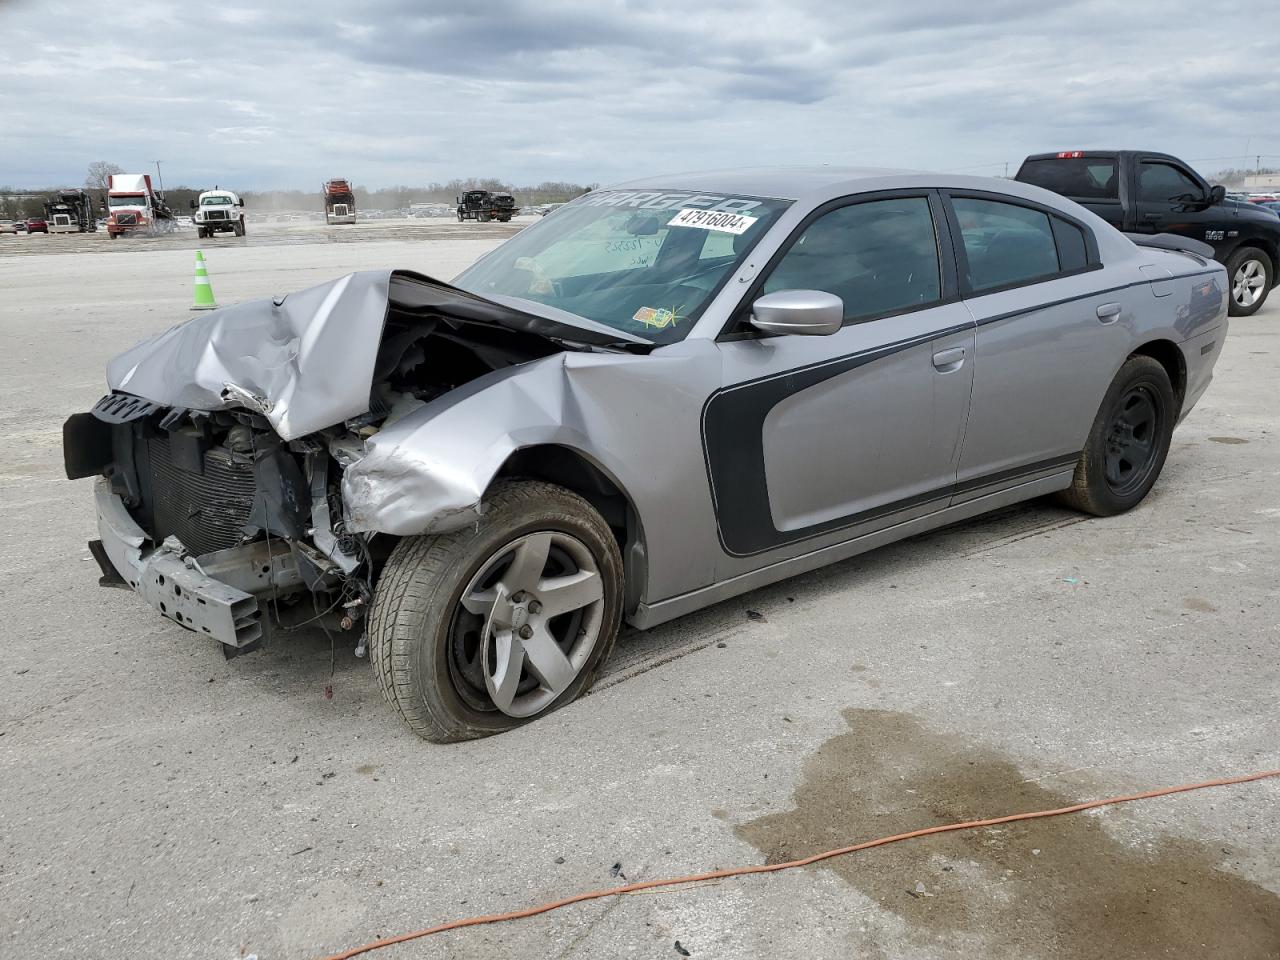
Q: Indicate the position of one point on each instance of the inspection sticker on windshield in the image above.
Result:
(719, 220)
(658, 318)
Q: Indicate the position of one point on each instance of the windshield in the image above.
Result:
(128, 200)
(644, 263)
(215, 202)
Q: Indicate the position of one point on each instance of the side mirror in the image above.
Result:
(1217, 193)
(806, 313)
(242, 203)
(194, 205)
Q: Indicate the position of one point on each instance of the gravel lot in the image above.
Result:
(158, 801)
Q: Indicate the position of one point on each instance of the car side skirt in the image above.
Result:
(650, 615)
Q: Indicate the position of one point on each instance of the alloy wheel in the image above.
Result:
(526, 624)
(1249, 283)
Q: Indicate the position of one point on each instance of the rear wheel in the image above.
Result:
(489, 627)
(1250, 272)
(1128, 443)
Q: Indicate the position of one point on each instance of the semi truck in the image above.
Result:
(218, 211)
(339, 202)
(134, 208)
(70, 211)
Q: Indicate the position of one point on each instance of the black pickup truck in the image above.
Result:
(1142, 192)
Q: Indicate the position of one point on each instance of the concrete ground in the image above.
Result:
(158, 801)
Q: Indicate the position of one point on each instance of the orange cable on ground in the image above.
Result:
(790, 864)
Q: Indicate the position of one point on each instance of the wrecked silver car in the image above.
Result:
(662, 395)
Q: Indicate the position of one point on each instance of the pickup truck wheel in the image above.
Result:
(1128, 443)
(238, 229)
(481, 630)
(1250, 273)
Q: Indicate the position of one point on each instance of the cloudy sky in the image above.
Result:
(259, 95)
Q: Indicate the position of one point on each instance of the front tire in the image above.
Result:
(1128, 442)
(486, 628)
(1250, 274)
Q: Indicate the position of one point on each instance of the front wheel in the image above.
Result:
(1128, 442)
(1250, 272)
(238, 229)
(480, 630)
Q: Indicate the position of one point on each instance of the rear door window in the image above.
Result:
(1089, 178)
(1007, 244)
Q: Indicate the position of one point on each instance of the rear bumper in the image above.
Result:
(172, 582)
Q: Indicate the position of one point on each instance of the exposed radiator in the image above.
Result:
(206, 511)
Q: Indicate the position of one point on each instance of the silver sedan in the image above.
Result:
(659, 396)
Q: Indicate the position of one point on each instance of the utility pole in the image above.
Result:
(1006, 169)
(159, 179)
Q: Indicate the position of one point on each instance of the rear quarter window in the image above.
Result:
(1091, 178)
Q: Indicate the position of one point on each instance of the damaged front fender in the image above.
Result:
(427, 472)
(636, 418)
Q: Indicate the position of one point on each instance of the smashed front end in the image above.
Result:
(221, 451)
(210, 515)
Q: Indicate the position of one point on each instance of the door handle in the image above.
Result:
(948, 361)
(1109, 312)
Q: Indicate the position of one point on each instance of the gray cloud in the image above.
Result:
(407, 91)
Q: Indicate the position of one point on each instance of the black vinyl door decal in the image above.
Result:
(733, 445)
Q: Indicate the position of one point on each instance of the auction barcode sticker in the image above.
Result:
(712, 220)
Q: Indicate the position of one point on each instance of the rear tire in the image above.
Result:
(435, 653)
(1250, 274)
(1128, 442)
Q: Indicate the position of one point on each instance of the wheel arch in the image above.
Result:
(576, 471)
(1169, 356)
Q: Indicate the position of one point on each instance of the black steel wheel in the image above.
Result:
(1131, 438)
(1128, 442)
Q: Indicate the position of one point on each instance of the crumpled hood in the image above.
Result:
(306, 361)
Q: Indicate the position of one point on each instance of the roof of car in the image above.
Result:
(784, 183)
